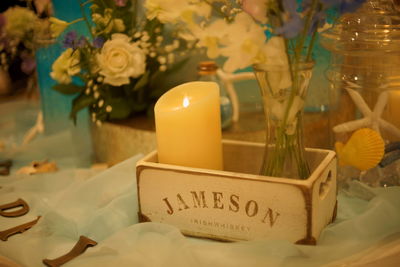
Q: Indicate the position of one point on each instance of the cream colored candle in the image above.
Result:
(188, 126)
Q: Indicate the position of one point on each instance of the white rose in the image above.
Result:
(120, 59)
(65, 66)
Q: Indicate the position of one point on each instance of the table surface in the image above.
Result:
(102, 204)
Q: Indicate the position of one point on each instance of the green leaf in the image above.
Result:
(142, 82)
(81, 102)
(150, 111)
(120, 108)
(157, 85)
(102, 116)
(178, 65)
(139, 106)
(68, 89)
(157, 91)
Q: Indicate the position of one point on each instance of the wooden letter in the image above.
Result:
(24, 208)
(4, 235)
(79, 248)
(6, 164)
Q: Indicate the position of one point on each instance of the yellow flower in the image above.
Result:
(97, 18)
(173, 11)
(57, 26)
(118, 25)
(107, 22)
(19, 21)
(66, 65)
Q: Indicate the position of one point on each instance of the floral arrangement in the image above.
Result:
(247, 32)
(128, 49)
(277, 38)
(114, 72)
(22, 31)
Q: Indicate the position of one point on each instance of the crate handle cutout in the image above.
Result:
(325, 185)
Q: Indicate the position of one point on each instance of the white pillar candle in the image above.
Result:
(188, 126)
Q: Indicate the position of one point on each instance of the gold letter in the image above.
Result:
(248, 208)
(217, 200)
(272, 220)
(235, 203)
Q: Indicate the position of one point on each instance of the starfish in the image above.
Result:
(36, 129)
(372, 118)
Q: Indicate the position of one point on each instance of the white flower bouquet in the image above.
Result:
(277, 38)
(114, 71)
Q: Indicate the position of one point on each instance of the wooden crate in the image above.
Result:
(237, 203)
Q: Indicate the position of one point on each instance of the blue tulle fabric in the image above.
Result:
(103, 206)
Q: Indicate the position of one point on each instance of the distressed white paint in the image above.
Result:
(239, 205)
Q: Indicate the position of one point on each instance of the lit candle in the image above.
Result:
(188, 126)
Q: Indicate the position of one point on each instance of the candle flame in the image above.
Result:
(185, 102)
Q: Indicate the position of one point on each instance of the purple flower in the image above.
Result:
(28, 64)
(344, 6)
(318, 20)
(71, 40)
(98, 42)
(290, 6)
(347, 6)
(293, 26)
(81, 42)
(120, 3)
(2, 20)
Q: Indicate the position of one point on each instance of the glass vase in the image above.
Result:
(56, 106)
(365, 76)
(207, 71)
(283, 92)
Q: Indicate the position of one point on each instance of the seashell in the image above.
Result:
(364, 150)
(38, 167)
